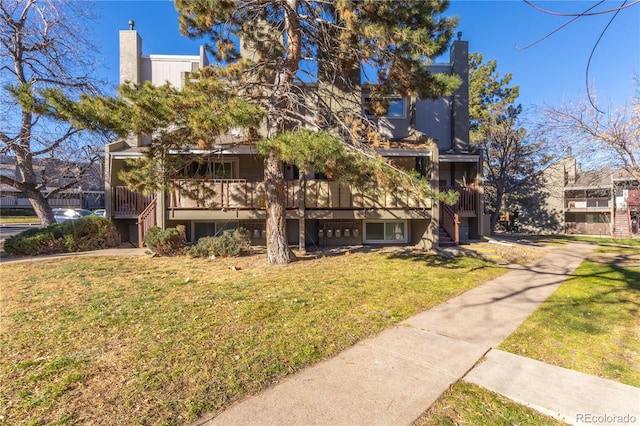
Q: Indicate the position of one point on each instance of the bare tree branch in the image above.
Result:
(44, 44)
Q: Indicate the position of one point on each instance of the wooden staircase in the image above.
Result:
(146, 220)
(449, 227)
(444, 238)
(622, 223)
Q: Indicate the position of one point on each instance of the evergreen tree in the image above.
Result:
(293, 42)
(513, 158)
(296, 90)
(488, 94)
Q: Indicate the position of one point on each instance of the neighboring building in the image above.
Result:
(599, 202)
(429, 136)
(87, 193)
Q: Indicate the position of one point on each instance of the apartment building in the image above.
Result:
(428, 136)
(599, 202)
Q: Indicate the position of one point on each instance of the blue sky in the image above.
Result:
(547, 73)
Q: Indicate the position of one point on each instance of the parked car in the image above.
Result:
(62, 215)
(100, 212)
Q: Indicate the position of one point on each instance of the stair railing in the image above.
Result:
(146, 220)
(450, 222)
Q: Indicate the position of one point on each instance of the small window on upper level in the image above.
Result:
(395, 109)
(212, 169)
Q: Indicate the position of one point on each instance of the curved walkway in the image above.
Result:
(391, 379)
(119, 251)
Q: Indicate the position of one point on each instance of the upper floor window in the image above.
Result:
(218, 169)
(396, 108)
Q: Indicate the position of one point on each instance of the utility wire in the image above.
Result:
(575, 16)
(560, 27)
(593, 51)
(601, 12)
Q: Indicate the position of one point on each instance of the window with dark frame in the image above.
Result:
(395, 108)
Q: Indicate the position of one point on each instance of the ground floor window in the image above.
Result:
(385, 231)
(598, 217)
(210, 229)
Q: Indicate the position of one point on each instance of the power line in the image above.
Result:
(559, 28)
(601, 12)
(593, 51)
(575, 16)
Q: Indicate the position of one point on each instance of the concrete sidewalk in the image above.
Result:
(558, 392)
(391, 379)
(117, 251)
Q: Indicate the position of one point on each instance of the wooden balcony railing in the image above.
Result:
(245, 195)
(468, 201)
(587, 203)
(322, 194)
(225, 194)
(450, 222)
(128, 204)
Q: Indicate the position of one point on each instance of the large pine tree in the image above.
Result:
(293, 42)
(513, 157)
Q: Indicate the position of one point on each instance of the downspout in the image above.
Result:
(612, 221)
(108, 166)
(435, 206)
(480, 194)
(302, 231)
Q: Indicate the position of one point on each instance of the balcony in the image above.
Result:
(126, 204)
(326, 195)
(225, 194)
(587, 204)
(239, 194)
(467, 205)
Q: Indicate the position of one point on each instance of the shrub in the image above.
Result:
(169, 242)
(229, 244)
(26, 212)
(84, 234)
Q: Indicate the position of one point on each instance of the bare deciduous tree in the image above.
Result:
(604, 139)
(43, 45)
(514, 157)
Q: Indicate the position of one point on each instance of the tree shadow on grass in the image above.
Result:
(436, 260)
(629, 280)
(583, 309)
(628, 265)
(397, 253)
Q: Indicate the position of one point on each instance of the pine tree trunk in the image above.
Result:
(278, 251)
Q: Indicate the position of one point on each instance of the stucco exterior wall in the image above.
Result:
(543, 210)
(160, 69)
(433, 118)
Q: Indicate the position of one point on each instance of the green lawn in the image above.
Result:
(163, 340)
(553, 239)
(469, 404)
(590, 324)
(7, 220)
